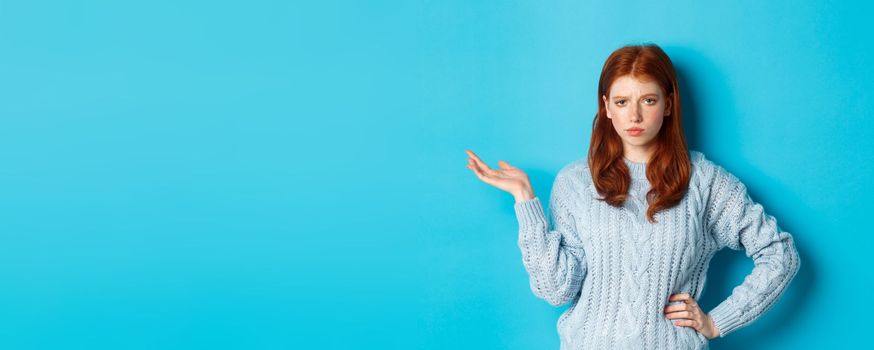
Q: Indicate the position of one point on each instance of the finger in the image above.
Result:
(680, 314)
(481, 175)
(485, 170)
(476, 170)
(680, 296)
(482, 165)
(684, 297)
(472, 155)
(505, 165)
(677, 307)
(685, 323)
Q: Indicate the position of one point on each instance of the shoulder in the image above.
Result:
(575, 175)
(577, 169)
(710, 175)
(705, 168)
(700, 163)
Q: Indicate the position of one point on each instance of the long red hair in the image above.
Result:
(669, 168)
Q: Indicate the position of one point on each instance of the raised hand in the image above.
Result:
(689, 314)
(506, 177)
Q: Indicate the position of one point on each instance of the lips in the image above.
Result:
(634, 131)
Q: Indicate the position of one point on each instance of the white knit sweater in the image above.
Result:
(618, 269)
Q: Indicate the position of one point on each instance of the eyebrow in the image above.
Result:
(645, 95)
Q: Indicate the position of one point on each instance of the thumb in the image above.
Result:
(505, 165)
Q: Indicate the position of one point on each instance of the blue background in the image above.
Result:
(274, 175)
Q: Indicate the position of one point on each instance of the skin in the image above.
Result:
(631, 103)
(689, 314)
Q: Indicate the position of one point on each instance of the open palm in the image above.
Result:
(506, 177)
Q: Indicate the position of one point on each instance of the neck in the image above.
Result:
(638, 154)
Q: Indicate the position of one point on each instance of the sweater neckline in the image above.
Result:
(637, 170)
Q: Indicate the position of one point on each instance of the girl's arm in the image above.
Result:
(737, 222)
(556, 269)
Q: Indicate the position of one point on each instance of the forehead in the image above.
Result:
(627, 84)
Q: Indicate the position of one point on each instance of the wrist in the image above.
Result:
(523, 195)
(715, 329)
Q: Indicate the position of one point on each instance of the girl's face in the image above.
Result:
(637, 110)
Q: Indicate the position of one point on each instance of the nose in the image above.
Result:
(636, 115)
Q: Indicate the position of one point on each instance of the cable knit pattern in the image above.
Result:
(618, 270)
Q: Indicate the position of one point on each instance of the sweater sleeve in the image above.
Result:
(736, 221)
(555, 267)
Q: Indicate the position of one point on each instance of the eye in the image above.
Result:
(620, 102)
(649, 101)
